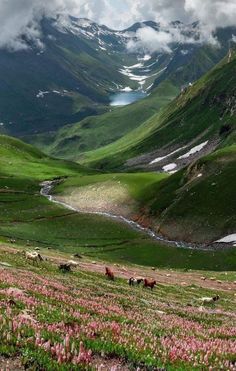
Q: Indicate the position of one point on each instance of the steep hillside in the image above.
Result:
(201, 118)
(197, 203)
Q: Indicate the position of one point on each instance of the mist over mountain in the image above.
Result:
(72, 72)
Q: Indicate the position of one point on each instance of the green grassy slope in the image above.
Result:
(97, 131)
(45, 314)
(202, 112)
(197, 203)
(31, 219)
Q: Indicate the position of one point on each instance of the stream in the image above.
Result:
(47, 187)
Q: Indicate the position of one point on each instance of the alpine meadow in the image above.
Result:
(118, 185)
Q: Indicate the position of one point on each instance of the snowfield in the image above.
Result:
(194, 150)
(231, 238)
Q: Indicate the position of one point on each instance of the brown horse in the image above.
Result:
(109, 274)
(149, 283)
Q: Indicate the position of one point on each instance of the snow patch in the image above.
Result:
(149, 87)
(194, 150)
(228, 239)
(138, 65)
(41, 94)
(127, 89)
(145, 58)
(169, 167)
(159, 159)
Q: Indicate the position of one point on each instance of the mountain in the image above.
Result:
(79, 68)
(97, 131)
(199, 120)
(42, 89)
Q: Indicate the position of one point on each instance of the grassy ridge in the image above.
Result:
(204, 111)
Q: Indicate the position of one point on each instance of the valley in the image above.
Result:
(117, 196)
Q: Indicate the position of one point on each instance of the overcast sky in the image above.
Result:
(23, 16)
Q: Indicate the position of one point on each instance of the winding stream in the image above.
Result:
(47, 187)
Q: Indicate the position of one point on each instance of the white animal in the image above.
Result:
(73, 263)
(34, 256)
(207, 300)
(135, 281)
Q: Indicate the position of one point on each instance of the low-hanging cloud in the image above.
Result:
(22, 18)
(149, 40)
(209, 14)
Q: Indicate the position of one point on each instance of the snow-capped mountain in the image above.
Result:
(81, 63)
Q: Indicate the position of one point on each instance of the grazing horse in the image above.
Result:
(64, 267)
(135, 281)
(109, 274)
(149, 283)
(34, 256)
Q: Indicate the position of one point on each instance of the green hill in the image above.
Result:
(204, 112)
(197, 203)
(31, 219)
(97, 131)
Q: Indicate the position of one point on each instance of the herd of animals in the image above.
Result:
(133, 281)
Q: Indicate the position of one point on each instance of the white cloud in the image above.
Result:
(22, 17)
(211, 14)
(149, 40)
